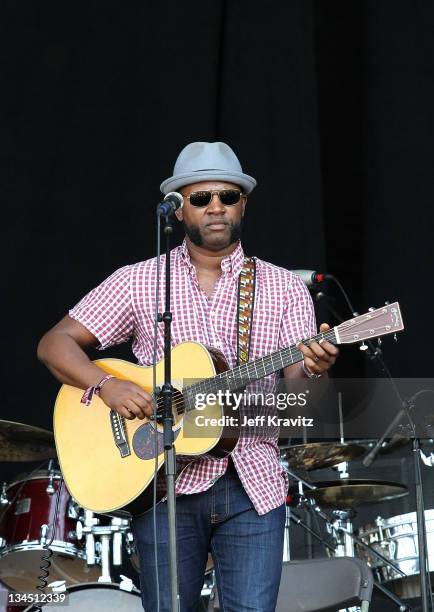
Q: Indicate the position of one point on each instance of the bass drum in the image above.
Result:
(96, 597)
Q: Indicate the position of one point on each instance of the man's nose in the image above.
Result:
(215, 205)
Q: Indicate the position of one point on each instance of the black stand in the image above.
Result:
(375, 355)
(405, 411)
(304, 502)
(169, 449)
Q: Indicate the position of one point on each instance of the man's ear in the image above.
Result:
(244, 205)
(179, 214)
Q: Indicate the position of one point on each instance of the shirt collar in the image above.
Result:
(231, 264)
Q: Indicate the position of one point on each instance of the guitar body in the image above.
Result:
(96, 474)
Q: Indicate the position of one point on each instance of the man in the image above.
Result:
(234, 506)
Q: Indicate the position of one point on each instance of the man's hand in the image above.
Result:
(319, 356)
(127, 399)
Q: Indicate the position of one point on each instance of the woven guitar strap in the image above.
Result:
(246, 300)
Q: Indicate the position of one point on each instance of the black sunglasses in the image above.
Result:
(228, 197)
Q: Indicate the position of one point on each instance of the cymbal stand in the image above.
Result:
(339, 529)
(336, 527)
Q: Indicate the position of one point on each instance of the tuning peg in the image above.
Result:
(386, 303)
(395, 337)
(363, 346)
(379, 342)
(371, 309)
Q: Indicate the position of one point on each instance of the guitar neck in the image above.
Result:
(238, 377)
(375, 323)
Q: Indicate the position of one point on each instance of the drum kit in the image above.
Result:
(389, 546)
(93, 557)
(40, 522)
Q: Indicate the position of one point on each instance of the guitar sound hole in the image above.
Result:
(177, 406)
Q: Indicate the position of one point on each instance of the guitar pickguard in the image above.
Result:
(144, 441)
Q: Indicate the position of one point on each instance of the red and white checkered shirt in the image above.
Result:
(123, 306)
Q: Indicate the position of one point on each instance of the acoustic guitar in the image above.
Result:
(108, 462)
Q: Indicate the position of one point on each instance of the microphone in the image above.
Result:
(171, 202)
(311, 277)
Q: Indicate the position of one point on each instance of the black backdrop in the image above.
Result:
(328, 104)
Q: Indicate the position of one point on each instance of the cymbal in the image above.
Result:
(389, 445)
(21, 442)
(349, 492)
(317, 455)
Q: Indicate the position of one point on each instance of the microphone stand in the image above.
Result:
(168, 438)
(407, 405)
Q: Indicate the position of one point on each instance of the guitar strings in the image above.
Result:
(208, 384)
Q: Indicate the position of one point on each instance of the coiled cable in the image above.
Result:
(45, 565)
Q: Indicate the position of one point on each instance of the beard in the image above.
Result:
(194, 233)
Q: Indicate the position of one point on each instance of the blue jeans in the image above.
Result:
(247, 549)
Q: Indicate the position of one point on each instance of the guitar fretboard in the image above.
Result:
(238, 377)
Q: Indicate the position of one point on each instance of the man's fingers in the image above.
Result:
(143, 394)
(318, 351)
(133, 408)
(313, 351)
(141, 401)
(126, 413)
(312, 366)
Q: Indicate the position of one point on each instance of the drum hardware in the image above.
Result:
(3, 496)
(118, 538)
(25, 526)
(129, 543)
(342, 530)
(342, 468)
(89, 522)
(126, 584)
(335, 526)
(51, 473)
(73, 509)
(43, 536)
(331, 549)
(340, 524)
(103, 546)
(397, 538)
(99, 539)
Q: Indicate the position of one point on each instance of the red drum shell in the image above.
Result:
(31, 507)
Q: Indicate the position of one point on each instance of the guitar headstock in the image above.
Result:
(375, 323)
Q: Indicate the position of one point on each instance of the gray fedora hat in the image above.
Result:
(207, 161)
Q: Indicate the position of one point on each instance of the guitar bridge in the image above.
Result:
(118, 429)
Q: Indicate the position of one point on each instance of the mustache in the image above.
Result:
(195, 235)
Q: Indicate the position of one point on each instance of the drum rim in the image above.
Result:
(38, 475)
(429, 512)
(83, 585)
(58, 546)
